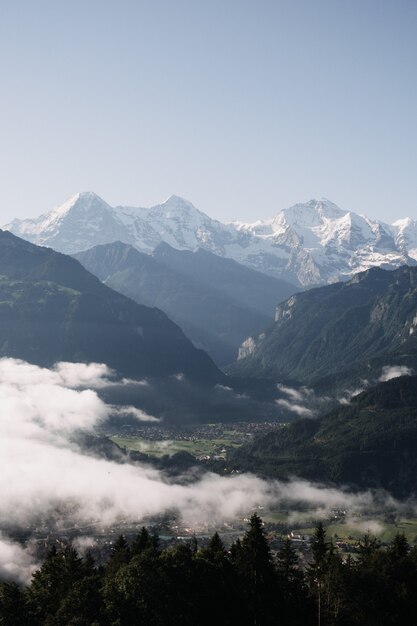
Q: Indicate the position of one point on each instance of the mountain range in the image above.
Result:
(307, 244)
(326, 345)
(216, 301)
(53, 309)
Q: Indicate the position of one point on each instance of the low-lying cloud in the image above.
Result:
(388, 372)
(293, 407)
(302, 401)
(349, 394)
(132, 411)
(43, 470)
(298, 395)
(394, 371)
(16, 563)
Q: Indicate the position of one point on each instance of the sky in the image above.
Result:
(242, 107)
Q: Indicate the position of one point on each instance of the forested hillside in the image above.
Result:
(189, 585)
(370, 443)
(52, 309)
(342, 331)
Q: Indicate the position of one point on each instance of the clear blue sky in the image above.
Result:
(243, 107)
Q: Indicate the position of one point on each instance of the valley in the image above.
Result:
(205, 443)
(118, 430)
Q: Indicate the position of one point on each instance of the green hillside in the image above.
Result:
(341, 331)
(371, 443)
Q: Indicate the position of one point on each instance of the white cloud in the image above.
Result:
(138, 414)
(394, 371)
(349, 394)
(299, 395)
(83, 544)
(223, 387)
(300, 410)
(75, 375)
(71, 375)
(16, 563)
(41, 467)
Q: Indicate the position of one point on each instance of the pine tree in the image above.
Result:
(399, 547)
(318, 567)
(13, 606)
(235, 552)
(51, 583)
(258, 570)
(367, 548)
(293, 607)
(142, 542)
(287, 566)
(194, 544)
(120, 555)
(215, 552)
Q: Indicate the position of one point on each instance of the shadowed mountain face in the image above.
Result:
(345, 328)
(52, 309)
(216, 301)
(253, 290)
(371, 443)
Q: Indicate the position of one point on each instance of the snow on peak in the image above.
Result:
(174, 200)
(308, 243)
(404, 232)
(175, 205)
(404, 223)
(84, 200)
(83, 220)
(310, 223)
(311, 213)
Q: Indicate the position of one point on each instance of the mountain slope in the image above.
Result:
(366, 323)
(52, 309)
(370, 444)
(249, 288)
(307, 244)
(211, 317)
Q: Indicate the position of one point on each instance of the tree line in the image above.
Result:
(142, 584)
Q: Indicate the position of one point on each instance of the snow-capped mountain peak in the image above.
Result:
(176, 207)
(85, 202)
(405, 233)
(403, 223)
(309, 221)
(311, 213)
(177, 202)
(72, 226)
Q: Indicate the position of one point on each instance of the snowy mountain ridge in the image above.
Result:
(309, 243)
